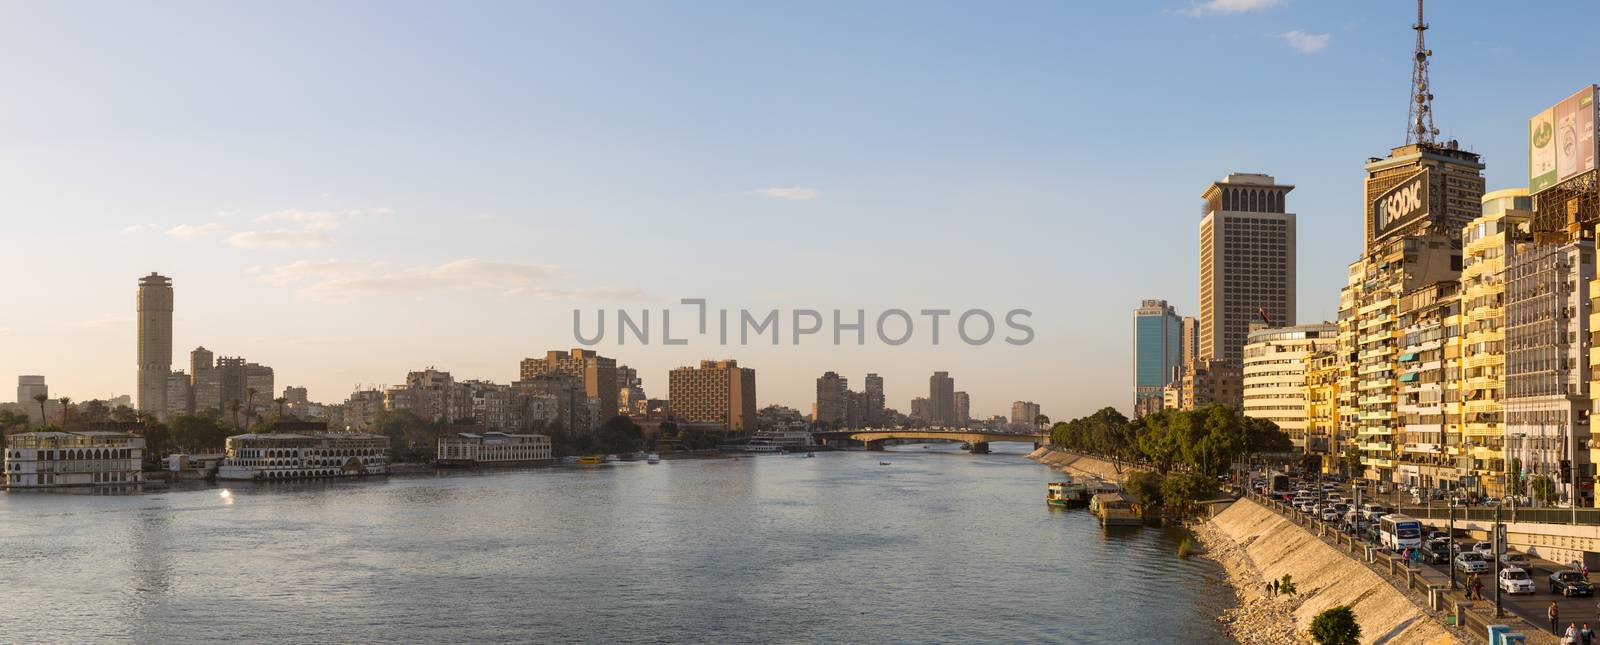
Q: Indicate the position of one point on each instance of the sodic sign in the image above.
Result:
(1402, 204)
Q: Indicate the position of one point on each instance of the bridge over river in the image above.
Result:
(979, 439)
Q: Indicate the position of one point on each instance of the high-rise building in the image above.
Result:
(232, 382)
(296, 395)
(1322, 379)
(1157, 350)
(718, 392)
(833, 392)
(597, 373)
(1419, 200)
(178, 394)
(941, 399)
(875, 401)
(1547, 363)
(1429, 384)
(1025, 413)
(963, 414)
(921, 410)
(259, 378)
(1247, 262)
(155, 342)
(1486, 243)
(1274, 375)
(30, 386)
(205, 384)
(630, 391)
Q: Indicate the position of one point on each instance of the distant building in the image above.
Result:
(875, 401)
(718, 392)
(178, 395)
(29, 387)
(1274, 374)
(597, 373)
(833, 396)
(921, 410)
(1209, 382)
(1024, 413)
(296, 395)
(963, 413)
(362, 410)
(1157, 349)
(1247, 262)
(205, 382)
(630, 391)
(154, 342)
(941, 399)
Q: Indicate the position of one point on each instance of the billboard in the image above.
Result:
(1561, 141)
(1405, 203)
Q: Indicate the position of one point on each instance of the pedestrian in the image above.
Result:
(1554, 614)
(1586, 635)
(1477, 589)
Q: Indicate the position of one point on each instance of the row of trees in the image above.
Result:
(1181, 452)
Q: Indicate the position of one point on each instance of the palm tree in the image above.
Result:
(41, 398)
(66, 407)
(233, 407)
(249, 405)
(281, 401)
(1042, 421)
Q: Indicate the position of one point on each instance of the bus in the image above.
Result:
(1279, 484)
(1397, 532)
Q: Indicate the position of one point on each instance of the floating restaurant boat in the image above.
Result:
(304, 456)
(470, 449)
(1116, 509)
(591, 460)
(1066, 494)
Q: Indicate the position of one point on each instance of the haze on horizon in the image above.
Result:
(349, 191)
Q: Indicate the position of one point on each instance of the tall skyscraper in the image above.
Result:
(875, 400)
(154, 342)
(718, 392)
(1189, 347)
(942, 399)
(1247, 262)
(598, 373)
(1157, 349)
(833, 392)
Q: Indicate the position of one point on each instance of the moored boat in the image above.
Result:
(1116, 509)
(1066, 494)
(590, 460)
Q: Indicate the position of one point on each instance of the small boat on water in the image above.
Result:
(810, 455)
(652, 458)
(611, 459)
(1116, 509)
(966, 445)
(570, 460)
(591, 460)
(1066, 494)
(883, 463)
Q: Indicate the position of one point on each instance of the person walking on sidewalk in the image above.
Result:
(1554, 614)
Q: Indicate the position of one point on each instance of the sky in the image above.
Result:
(350, 190)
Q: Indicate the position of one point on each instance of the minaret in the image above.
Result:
(154, 343)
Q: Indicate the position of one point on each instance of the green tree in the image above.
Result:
(1286, 585)
(1515, 483)
(1351, 460)
(1146, 486)
(1543, 489)
(1180, 491)
(1336, 626)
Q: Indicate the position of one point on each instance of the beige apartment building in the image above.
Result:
(1323, 376)
(1274, 375)
(597, 373)
(718, 392)
(1486, 243)
(1429, 386)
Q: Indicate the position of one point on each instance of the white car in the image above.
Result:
(1515, 580)
(1471, 562)
(1330, 514)
(1515, 561)
(1484, 549)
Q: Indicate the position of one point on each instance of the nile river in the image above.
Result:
(939, 546)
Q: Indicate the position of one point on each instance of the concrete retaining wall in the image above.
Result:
(1325, 578)
(1077, 464)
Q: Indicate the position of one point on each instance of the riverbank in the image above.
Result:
(1254, 545)
(1078, 464)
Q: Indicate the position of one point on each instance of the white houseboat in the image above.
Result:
(493, 449)
(48, 459)
(304, 456)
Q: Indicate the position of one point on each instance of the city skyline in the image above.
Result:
(294, 238)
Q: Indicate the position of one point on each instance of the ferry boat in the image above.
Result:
(1116, 509)
(304, 456)
(1066, 494)
(590, 460)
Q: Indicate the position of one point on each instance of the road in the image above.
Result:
(1530, 607)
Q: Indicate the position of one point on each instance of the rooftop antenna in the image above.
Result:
(1419, 124)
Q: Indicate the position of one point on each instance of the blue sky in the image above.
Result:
(346, 191)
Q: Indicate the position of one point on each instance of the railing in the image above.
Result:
(1508, 514)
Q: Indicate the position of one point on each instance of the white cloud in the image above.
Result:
(139, 228)
(340, 279)
(798, 193)
(1305, 43)
(191, 231)
(297, 216)
(1225, 7)
(278, 239)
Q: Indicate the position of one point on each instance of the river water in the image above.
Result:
(938, 546)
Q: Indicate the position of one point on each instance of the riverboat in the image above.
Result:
(1066, 494)
(591, 460)
(304, 456)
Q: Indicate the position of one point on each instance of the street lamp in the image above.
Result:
(1450, 546)
(1494, 535)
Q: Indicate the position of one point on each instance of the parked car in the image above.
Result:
(1471, 562)
(1330, 514)
(1570, 583)
(1484, 549)
(1514, 559)
(1515, 580)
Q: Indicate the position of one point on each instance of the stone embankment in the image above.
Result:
(1075, 464)
(1254, 545)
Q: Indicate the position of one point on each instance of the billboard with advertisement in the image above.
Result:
(1562, 141)
(1405, 203)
